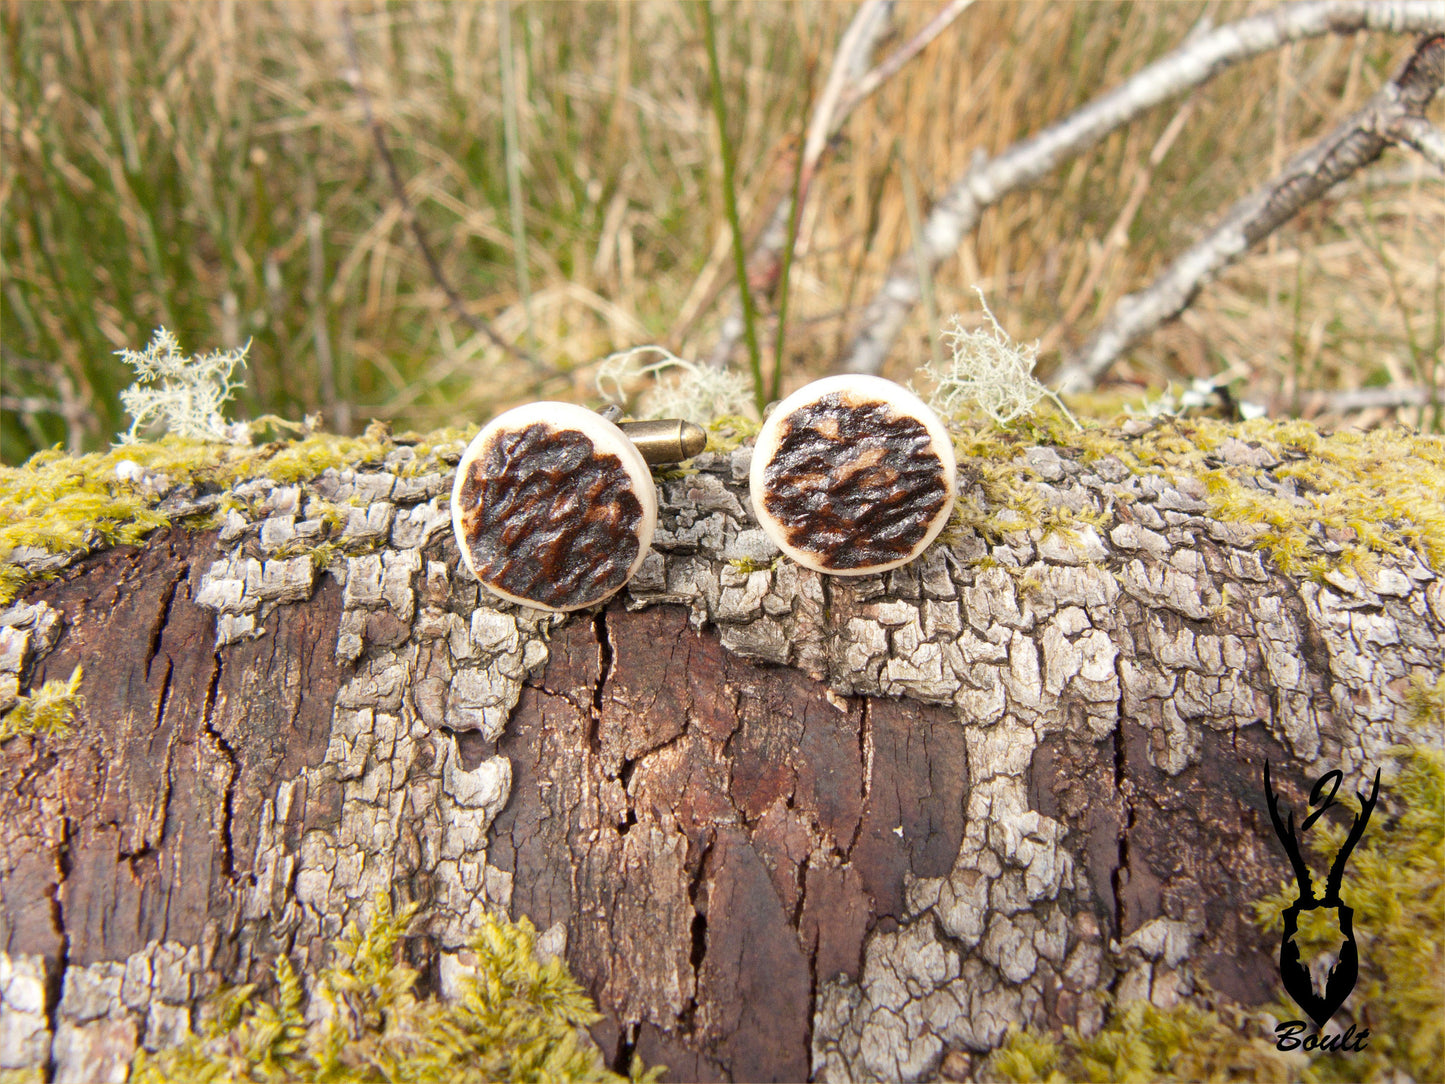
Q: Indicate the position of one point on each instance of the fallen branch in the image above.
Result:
(1201, 57)
(1357, 399)
(1420, 135)
(454, 299)
(1350, 147)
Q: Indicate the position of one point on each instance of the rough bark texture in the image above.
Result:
(785, 825)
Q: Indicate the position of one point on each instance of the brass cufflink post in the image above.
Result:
(665, 440)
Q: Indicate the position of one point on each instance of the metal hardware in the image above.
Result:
(666, 440)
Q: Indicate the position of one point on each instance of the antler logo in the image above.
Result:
(1296, 976)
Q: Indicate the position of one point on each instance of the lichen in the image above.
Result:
(517, 1019)
(48, 712)
(988, 371)
(678, 388)
(184, 393)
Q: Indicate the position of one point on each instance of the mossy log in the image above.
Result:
(783, 826)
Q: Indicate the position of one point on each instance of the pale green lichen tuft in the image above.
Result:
(989, 372)
(518, 1019)
(672, 387)
(49, 712)
(184, 393)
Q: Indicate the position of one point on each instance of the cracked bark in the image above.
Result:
(782, 827)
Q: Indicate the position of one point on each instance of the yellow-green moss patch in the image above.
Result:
(1326, 501)
(56, 503)
(1143, 1044)
(517, 1019)
(49, 711)
(1343, 500)
(730, 432)
(1395, 883)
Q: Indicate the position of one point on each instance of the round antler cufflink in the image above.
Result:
(853, 474)
(554, 506)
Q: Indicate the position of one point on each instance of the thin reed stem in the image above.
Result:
(730, 202)
(775, 392)
(512, 138)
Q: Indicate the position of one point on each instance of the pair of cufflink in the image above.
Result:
(554, 505)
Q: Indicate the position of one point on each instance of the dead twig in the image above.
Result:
(1348, 402)
(408, 211)
(1352, 145)
(1420, 135)
(1202, 56)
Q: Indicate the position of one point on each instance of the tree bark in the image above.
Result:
(784, 826)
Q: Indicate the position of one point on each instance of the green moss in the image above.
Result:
(726, 433)
(1143, 1044)
(59, 503)
(1425, 701)
(428, 446)
(49, 711)
(749, 565)
(1372, 495)
(1395, 883)
(517, 1020)
(298, 460)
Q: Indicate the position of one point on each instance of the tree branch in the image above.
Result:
(1201, 57)
(1352, 145)
(1357, 399)
(1420, 135)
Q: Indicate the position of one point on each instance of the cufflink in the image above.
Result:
(554, 506)
(852, 475)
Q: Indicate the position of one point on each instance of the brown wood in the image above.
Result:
(783, 827)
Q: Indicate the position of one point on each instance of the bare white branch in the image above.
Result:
(1347, 402)
(1198, 59)
(890, 67)
(1419, 134)
(1352, 145)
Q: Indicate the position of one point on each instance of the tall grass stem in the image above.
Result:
(780, 341)
(512, 137)
(730, 202)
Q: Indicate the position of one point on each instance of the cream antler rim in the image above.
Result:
(566, 536)
(859, 473)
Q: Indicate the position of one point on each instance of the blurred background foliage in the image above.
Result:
(208, 167)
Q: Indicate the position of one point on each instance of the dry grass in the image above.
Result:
(207, 167)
